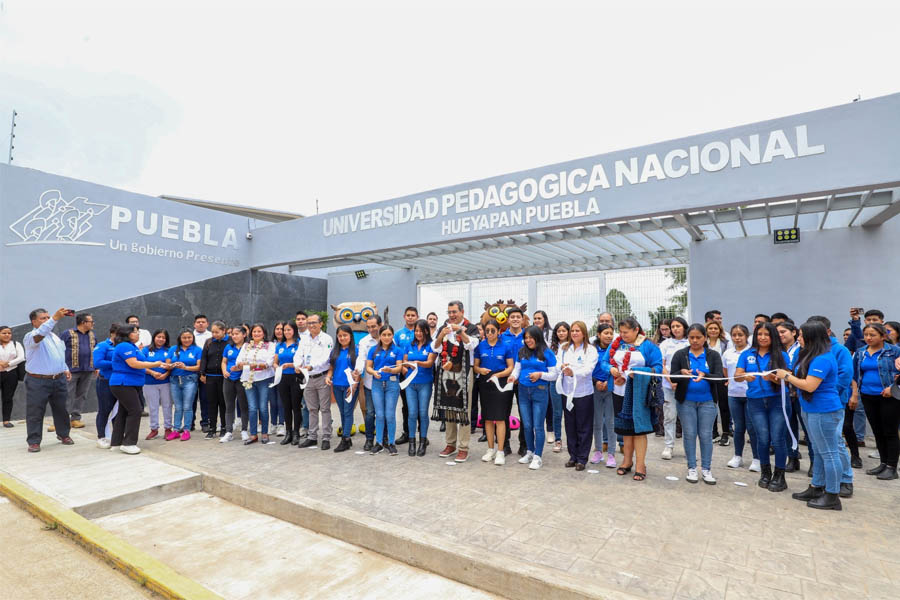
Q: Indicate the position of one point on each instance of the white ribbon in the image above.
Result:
(349, 396)
(570, 396)
(784, 402)
(415, 371)
(505, 388)
(277, 379)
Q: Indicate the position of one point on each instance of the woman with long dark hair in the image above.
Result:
(384, 365)
(737, 400)
(663, 331)
(678, 329)
(493, 357)
(892, 331)
(559, 336)
(343, 357)
(604, 412)
(184, 361)
(418, 393)
(258, 355)
(815, 376)
(125, 384)
(535, 368)
(765, 355)
(788, 333)
(874, 372)
(633, 394)
(273, 395)
(157, 393)
(232, 388)
(542, 322)
(716, 340)
(288, 388)
(577, 359)
(697, 400)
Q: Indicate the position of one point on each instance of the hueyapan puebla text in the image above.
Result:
(781, 144)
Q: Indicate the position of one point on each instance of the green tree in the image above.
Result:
(677, 301)
(617, 304)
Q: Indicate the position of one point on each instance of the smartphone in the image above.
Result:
(859, 310)
(70, 313)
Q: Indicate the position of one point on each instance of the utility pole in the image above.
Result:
(12, 136)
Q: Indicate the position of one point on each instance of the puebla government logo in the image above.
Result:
(56, 220)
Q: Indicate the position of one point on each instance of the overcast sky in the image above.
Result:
(276, 104)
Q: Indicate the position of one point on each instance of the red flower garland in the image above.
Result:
(612, 355)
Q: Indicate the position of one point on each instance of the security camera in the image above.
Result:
(249, 236)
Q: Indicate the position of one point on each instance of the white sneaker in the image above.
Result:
(280, 432)
(666, 453)
(536, 463)
(551, 437)
(736, 462)
(130, 449)
(874, 454)
(691, 476)
(226, 438)
(708, 477)
(754, 466)
(500, 459)
(103, 444)
(527, 458)
(245, 436)
(489, 455)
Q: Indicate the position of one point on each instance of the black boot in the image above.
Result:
(765, 476)
(367, 446)
(876, 470)
(344, 445)
(483, 438)
(423, 443)
(295, 438)
(809, 472)
(288, 438)
(403, 439)
(846, 490)
(856, 462)
(826, 502)
(778, 484)
(522, 449)
(888, 473)
(412, 447)
(811, 493)
(793, 464)
(507, 449)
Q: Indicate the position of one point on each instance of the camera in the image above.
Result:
(249, 236)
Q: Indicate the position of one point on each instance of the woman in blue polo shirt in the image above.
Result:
(418, 394)
(874, 372)
(184, 360)
(125, 384)
(815, 376)
(343, 357)
(764, 399)
(156, 384)
(535, 369)
(103, 353)
(288, 390)
(232, 388)
(697, 399)
(493, 357)
(384, 365)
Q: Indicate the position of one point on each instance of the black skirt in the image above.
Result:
(495, 405)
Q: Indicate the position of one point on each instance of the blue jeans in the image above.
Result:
(105, 402)
(859, 422)
(825, 429)
(184, 389)
(305, 412)
(258, 405)
(385, 394)
(346, 408)
(697, 419)
(556, 404)
(604, 418)
(740, 416)
(418, 396)
(768, 421)
(275, 409)
(370, 415)
(533, 400)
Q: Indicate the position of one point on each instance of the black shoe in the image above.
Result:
(523, 450)
(472, 430)
(856, 462)
(211, 435)
(778, 484)
(377, 448)
(888, 473)
(326, 445)
(423, 443)
(443, 426)
(307, 443)
(403, 439)
(344, 445)
(809, 472)
(724, 440)
(392, 450)
(803, 442)
(483, 438)
(826, 502)
(678, 435)
(288, 438)
(793, 464)
(765, 476)
(579, 467)
(570, 464)
(367, 447)
(810, 493)
(507, 449)
(203, 428)
(846, 490)
(295, 438)
(222, 433)
(876, 470)
(412, 448)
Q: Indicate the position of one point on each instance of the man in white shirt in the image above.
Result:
(313, 356)
(373, 325)
(300, 320)
(145, 338)
(46, 381)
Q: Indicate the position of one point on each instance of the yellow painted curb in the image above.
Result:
(137, 564)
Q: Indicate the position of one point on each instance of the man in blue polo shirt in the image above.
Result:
(403, 338)
(514, 338)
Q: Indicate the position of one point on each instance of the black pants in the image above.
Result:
(39, 392)
(579, 427)
(9, 381)
(405, 413)
(215, 397)
(884, 416)
(849, 433)
(204, 407)
(290, 394)
(233, 389)
(521, 427)
(473, 417)
(127, 424)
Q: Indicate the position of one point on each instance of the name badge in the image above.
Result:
(393, 378)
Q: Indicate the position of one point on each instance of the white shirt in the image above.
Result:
(581, 360)
(144, 340)
(362, 353)
(255, 356)
(200, 338)
(438, 347)
(314, 353)
(738, 389)
(668, 347)
(13, 353)
(47, 357)
(637, 360)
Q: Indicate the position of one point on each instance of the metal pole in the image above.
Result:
(12, 136)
